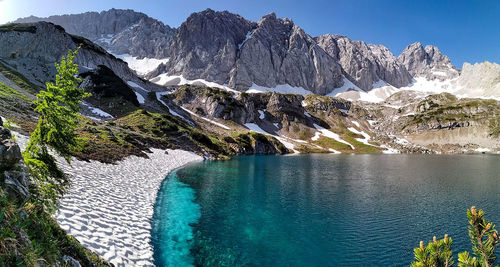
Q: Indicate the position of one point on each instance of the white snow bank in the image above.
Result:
(97, 111)
(159, 96)
(108, 208)
(142, 66)
(140, 98)
(282, 89)
(249, 33)
(348, 85)
(254, 127)
(261, 114)
(165, 80)
(133, 84)
(365, 139)
(209, 120)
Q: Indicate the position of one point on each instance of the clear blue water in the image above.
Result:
(319, 210)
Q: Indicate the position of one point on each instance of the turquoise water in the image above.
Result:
(319, 210)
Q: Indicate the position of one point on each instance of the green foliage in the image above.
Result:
(17, 27)
(58, 107)
(18, 78)
(7, 93)
(437, 253)
(484, 239)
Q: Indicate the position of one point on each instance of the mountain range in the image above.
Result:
(269, 55)
(222, 73)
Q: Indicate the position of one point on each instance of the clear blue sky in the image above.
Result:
(467, 31)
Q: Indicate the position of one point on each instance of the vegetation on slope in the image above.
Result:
(29, 236)
(447, 111)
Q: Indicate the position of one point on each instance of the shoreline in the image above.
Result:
(109, 207)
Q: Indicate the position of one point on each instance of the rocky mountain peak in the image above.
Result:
(117, 30)
(427, 62)
(364, 64)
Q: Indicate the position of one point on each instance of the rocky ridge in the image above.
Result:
(227, 49)
(120, 31)
(29, 48)
(428, 62)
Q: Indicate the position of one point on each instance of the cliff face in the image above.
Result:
(365, 64)
(428, 62)
(33, 48)
(120, 31)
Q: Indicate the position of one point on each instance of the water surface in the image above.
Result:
(319, 210)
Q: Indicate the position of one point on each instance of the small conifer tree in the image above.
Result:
(58, 109)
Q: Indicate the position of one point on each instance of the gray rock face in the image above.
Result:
(365, 64)
(14, 175)
(428, 62)
(120, 31)
(206, 46)
(33, 48)
(279, 52)
(227, 49)
(148, 38)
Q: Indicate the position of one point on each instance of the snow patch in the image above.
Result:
(348, 85)
(261, 114)
(134, 85)
(282, 89)
(206, 119)
(365, 135)
(142, 66)
(330, 134)
(249, 33)
(140, 98)
(164, 80)
(159, 96)
(254, 127)
(97, 111)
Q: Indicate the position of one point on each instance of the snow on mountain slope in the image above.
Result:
(165, 80)
(282, 89)
(142, 66)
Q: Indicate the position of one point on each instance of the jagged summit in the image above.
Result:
(117, 30)
(428, 62)
(220, 47)
(365, 64)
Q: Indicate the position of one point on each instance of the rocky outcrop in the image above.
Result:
(14, 178)
(206, 45)
(33, 48)
(278, 52)
(480, 80)
(365, 64)
(102, 82)
(428, 62)
(148, 38)
(120, 31)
